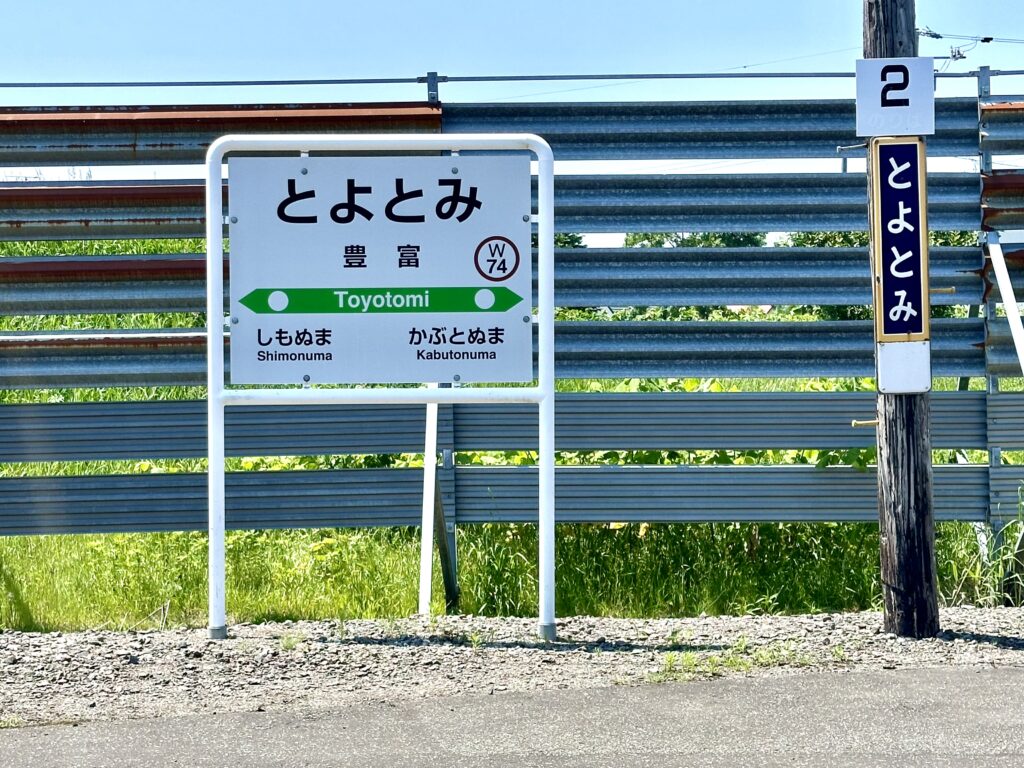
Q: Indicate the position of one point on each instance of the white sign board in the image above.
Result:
(380, 269)
(895, 97)
(903, 367)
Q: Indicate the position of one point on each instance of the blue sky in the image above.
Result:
(101, 40)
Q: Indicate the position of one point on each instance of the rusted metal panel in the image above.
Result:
(56, 285)
(1002, 200)
(59, 270)
(92, 210)
(602, 203)
(1003, 107)
(121, 358)
(1002, 127)
(181, 134)
(704, 130)
(584, 277)
(599, 350)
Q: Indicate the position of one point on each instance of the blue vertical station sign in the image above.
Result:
(899, 239)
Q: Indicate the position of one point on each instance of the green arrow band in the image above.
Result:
(358, 301)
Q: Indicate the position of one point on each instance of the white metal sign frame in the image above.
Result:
(219, 397)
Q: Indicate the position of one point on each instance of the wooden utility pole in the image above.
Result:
(905, 516)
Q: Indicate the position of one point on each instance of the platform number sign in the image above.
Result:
(895, 97)
(896, 78)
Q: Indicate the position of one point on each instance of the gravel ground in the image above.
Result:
(301, 666)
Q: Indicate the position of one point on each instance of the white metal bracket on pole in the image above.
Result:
(220, 397)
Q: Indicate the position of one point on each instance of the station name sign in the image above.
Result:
(899, 264)
(349, 270)
(900, 239)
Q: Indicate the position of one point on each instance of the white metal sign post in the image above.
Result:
(381, 269)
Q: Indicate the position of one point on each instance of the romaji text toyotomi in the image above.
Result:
(363, 302)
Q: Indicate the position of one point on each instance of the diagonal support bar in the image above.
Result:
(995, 253)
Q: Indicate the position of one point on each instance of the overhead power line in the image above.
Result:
(927, 32)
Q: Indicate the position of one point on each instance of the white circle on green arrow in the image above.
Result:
(278, 301)
(484, 298)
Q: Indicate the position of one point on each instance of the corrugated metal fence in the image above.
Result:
(978, 346)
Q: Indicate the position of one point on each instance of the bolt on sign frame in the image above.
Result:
(220, 397)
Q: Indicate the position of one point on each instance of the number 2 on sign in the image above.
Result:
(901, 82)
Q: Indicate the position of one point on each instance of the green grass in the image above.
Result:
(682, 666)
(102, 247)
(125, 581)
(105, 395)
(89, 323)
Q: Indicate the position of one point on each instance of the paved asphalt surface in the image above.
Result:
(922, 717)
